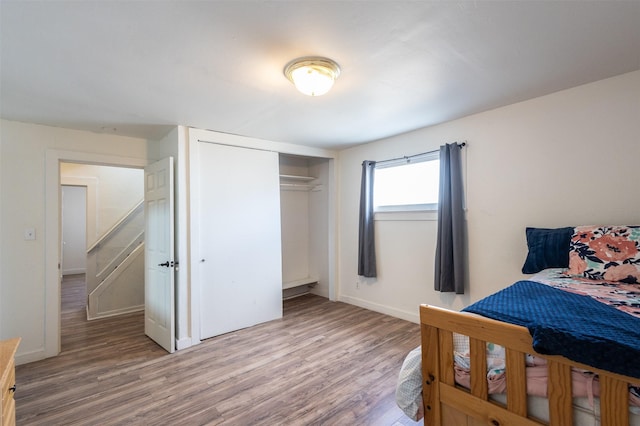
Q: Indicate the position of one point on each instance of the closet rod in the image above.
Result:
(300, 185)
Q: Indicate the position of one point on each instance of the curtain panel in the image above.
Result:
(366, 240)
(450, 245)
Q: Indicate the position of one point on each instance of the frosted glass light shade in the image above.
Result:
(312, 76)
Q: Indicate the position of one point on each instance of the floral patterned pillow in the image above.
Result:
(609, 253)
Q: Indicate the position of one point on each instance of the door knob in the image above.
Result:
(164, 264)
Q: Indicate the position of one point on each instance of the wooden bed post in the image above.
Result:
(430, 371)
(614, 401)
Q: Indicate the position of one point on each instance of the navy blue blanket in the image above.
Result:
(568, 324)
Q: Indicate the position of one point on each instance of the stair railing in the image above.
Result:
(114, 246)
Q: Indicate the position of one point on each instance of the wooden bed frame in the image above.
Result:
(447, 404)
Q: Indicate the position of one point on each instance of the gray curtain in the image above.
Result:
(366, 241)
(450, 246)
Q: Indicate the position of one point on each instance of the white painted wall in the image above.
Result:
(74, 229)
(569, 158)
(294, 214)
(118, 190)
(23, 204)
(320, 235)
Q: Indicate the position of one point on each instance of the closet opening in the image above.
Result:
(304, 215)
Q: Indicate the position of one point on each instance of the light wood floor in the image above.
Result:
(323, 363)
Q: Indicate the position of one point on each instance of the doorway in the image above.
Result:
(111, 254)
(53, 229)
(74, 254)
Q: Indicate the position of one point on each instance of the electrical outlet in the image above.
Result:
(357, 284)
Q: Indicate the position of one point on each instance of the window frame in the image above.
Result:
(424, 211)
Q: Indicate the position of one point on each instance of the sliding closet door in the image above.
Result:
(239, 249)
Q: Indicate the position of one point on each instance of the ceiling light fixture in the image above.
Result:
(312, 75)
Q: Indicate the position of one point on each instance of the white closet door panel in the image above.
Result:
(240, 245)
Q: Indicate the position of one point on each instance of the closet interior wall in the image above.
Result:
(304, 210)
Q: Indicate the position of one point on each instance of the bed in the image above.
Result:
(491, 365)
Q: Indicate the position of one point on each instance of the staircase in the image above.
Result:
(115, 268)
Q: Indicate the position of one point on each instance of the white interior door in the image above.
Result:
(159, 292)
(239, 238)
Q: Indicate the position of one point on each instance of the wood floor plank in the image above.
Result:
(323, 363)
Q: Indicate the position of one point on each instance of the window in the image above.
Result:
(407, 184)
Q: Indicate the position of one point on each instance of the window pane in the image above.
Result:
(407, 184)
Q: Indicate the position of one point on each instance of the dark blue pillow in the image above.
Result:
(548, 248)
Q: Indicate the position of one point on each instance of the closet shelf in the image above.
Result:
(298, 183)
(298, 283)
(297, 178)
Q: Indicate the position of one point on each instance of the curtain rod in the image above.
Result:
(409, 157)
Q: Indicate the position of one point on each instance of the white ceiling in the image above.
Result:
(137, 67)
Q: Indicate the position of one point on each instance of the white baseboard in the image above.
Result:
(383, 309)
(323, 292)
(27, 357)
(74, 271)
(183, 343)
(115, 312)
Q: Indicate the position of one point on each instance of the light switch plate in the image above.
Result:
(29, 234)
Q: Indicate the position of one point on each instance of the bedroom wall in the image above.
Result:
(294, 214)
(568, 158)
(321, 220)
(22, 205)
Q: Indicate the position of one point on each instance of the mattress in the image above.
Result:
(624, 297)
